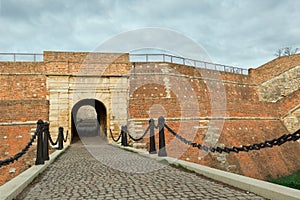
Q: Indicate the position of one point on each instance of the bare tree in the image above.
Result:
(295, 50)
(287, 51)
(278, 53)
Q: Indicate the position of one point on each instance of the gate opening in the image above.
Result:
(89, 118)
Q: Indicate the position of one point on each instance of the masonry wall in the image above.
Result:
(23, 100)
(205, 106)
(223, 109)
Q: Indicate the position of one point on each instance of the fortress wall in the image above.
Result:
(13, 138)
(274, 68)
(23, 100)
(203, 105)
(175, 91)
(86, 63)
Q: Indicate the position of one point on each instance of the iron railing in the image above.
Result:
(38, 57)
(26, 57)
(185, 61)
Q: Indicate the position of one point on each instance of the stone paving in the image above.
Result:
(96, 170)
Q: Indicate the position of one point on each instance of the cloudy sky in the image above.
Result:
(244, 33)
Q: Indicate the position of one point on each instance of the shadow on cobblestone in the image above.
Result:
(77, 174)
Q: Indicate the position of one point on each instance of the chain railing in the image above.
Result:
(26, 57)
(43, 137)
(14, 158)
(243, 148)
(124, 133)
(185, 61)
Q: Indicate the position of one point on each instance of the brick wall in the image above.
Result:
(203, 105)
(23, 100)
(190, 98)
(13, 138)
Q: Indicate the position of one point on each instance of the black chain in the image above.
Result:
(22, 152)
(65, 140)
(245, 148)
(137, 139)
(115, 140)
(51, 141)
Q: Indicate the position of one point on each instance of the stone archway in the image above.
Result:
(88, 127)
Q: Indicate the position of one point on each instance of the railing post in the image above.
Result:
(46, 141)
(124, 136)
(152, 149)
(162, 145)
(39, 150)
(60, 138)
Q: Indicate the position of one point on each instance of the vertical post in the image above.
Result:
(124, 136)
(46, 142)
(14, 57)
(39, 150)
(162, 145)
(60, 138)
(164, 59)
(152, 149)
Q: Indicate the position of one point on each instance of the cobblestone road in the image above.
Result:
(94, 172)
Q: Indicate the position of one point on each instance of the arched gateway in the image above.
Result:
(81, 82)
(89, 125)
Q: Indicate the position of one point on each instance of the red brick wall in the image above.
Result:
(188, 96)
(86, 63)
(274, 67)
(23, 100)
(247, 120)
(13, 139)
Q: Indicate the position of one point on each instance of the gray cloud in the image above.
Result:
(242, 33)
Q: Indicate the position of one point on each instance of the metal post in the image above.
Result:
(14, 57)
(39, 150)
(152, 149)
(124, 136)
(46, 142)
(164, 59)
(60, 138)
(162, 145)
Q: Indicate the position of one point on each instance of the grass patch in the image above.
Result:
(164, 161)
(292, 181)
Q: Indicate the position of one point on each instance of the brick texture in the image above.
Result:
(206, 106)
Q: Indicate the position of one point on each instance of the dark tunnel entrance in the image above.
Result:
(89, 118)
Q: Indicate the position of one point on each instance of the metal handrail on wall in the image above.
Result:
(14, 57)
(185, 61)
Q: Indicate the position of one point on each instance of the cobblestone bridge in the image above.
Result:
(96, 170)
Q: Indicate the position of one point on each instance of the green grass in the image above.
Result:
(292, 181)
